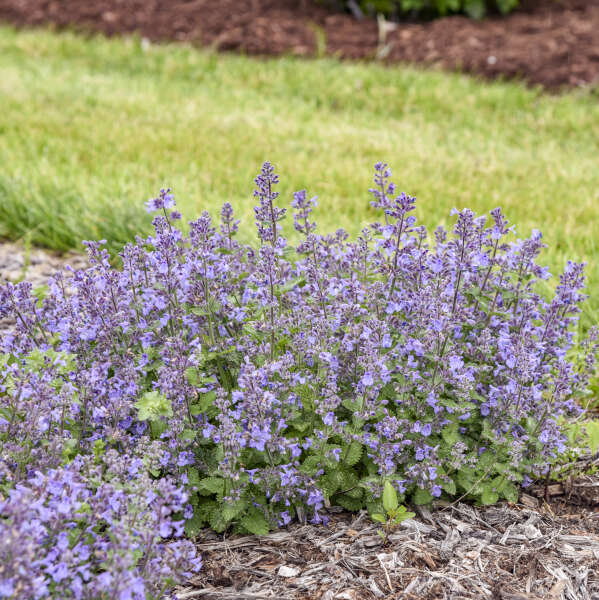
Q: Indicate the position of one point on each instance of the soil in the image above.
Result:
(552, 43)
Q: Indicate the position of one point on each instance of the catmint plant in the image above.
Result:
(272, 381)
(59, 538)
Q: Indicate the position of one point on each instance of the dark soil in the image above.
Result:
(553, 43)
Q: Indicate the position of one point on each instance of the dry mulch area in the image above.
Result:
(530, 551)
(553, 43)
(35, 265)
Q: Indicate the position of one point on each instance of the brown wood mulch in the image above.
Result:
(552, 43)
(533, 550)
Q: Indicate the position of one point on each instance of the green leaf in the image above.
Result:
(211, 485)
(207, 400)
(356, 492)
(449, 487)
(389, 497)
(510, 492)
(157, 428)
(485, 460)
(450, 434)
(192, 375)
(193, 526)
(499, 483)
(255, 522)
(232, 510)
(301, 424)
(466, 479)
(348, 502)
(351, 405)
(330, 482)
(501, 467)
(592, 429)
(310, 465)
(487, 432)
(353, 454)
(193, 476)
(188, 434)
(375, 507)
(40, 292)
(402, 514)
(153, 405)
(379, 517)
(69, 448)
(347, 478)
(99, 448)
(203, 508)
(218, 521)
(489, 495)
(422, 496)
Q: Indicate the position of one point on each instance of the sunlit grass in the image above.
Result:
(90, 128)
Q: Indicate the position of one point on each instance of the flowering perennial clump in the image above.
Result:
(272, 381)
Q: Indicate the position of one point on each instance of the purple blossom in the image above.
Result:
(164, 201)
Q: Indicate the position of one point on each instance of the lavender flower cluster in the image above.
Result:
(273, 381)
(59, 539)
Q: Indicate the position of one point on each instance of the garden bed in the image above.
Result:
(546, 42)
(546, 546)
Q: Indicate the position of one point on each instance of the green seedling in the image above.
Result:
(395, 513)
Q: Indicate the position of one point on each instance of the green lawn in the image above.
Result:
(91, 128)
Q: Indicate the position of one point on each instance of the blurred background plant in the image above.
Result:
(423, 9)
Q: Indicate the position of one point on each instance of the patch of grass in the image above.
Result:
(90, 128)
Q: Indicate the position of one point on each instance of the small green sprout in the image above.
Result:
(395, 513)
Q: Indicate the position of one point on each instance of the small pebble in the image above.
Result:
(285, 571)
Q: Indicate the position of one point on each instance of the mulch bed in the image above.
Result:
(552, 43)
(530, 551)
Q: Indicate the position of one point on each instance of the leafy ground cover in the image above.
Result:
(425, 566)
(90, 127)
(208, 382)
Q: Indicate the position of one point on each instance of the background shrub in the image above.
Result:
(396, 9)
